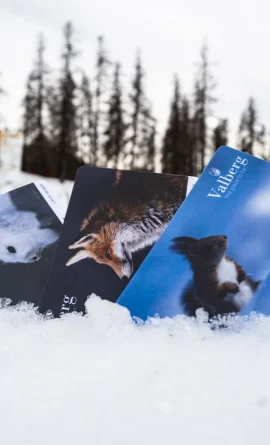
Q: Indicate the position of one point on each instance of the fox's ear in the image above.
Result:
(81, 255)
(82, 240)
(183, 245)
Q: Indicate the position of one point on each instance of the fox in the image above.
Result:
(220, 285)
(23, 237)
(132, 219)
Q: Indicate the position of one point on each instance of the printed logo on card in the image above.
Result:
(214, 171)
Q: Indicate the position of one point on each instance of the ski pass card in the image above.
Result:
(215, 253)
(113, 220)
(261, 301)
(30, 225)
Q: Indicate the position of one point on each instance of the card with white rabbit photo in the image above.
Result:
(113, 220)
(30, 225)
(215, 252)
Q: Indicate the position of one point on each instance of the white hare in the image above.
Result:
(22, 237)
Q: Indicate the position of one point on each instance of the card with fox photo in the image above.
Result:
(215, 252)
(113, 219)
(30, 225)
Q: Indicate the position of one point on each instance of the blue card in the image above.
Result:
(215, 252)
(261, 301)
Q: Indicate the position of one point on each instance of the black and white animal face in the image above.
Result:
(211, 249)
(208, 251)
(22, 239)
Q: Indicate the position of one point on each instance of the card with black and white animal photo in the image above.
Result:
(215, 252)
(113, 220)
(30, 225)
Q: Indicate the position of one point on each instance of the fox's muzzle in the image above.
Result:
(126, 269)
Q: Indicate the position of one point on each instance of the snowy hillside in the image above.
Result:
(11, 176)
(104, 380)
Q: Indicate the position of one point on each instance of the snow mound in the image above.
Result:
(104, 379)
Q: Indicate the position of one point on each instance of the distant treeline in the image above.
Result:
(80, 118)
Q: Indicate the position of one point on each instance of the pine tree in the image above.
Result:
(141, 126)
(150, 154)
(41, 71)
(34, 101)
(101, 76)
(146, 144)
(250, 133)
(86, 120)
(172, 142)
(53, 103)
(67, 122)
(29, 118)
(220, 134)
(187, 140)
(176, 149)
(204, 84)
(137, 105)
(116, 127)
(36, 142)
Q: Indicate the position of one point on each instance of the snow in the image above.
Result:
(104, 379)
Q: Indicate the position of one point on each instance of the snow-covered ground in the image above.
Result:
(104, 380)
(11, 176)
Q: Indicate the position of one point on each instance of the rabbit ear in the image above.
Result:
(183, 245)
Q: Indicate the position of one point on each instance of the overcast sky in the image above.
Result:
(170, 34)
